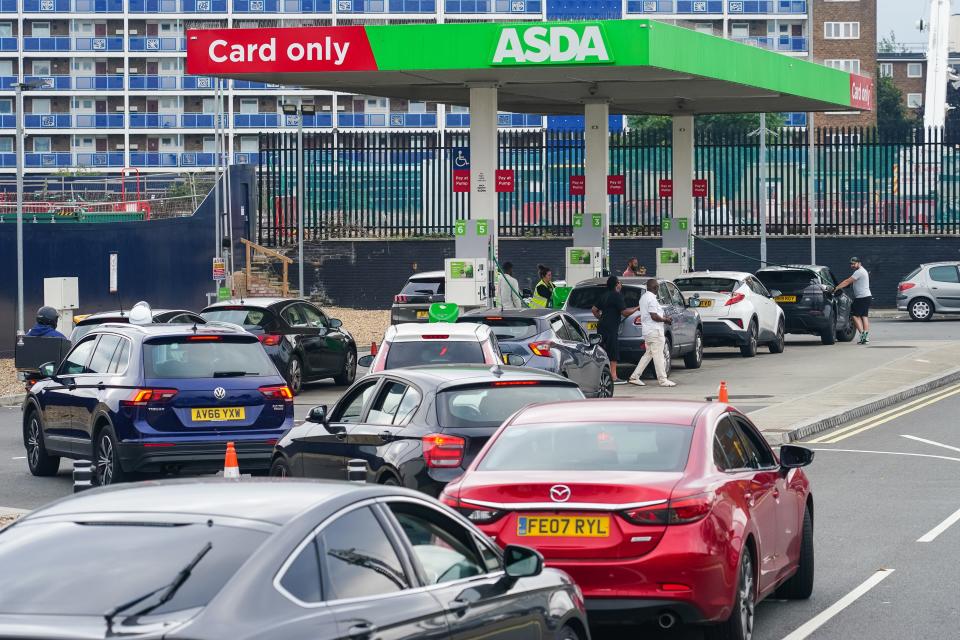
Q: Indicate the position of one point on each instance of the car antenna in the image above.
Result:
(194, 326)
(496, 369)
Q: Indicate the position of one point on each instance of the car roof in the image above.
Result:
(535, 312)
(630, 281)
(252, 302)
(947, 263)
(678, 412)
(117, 313)
(415, 331)
(172, 330)
(447, 375)
(793, 267)
(427, 275)
(735, 275)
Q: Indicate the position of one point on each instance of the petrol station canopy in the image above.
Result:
(636, 66)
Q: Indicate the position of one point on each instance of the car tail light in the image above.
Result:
(436, 336)
(143, 397)
(516, 383)
(734, 299)
(905, 285)
(203, 339)
(278, 392)
(449, 499)
(676, 511)
(541, 348)
(270, 339)
(400, 299)
(481, 515)
(673, 587)
(736, 321)
(442, 451)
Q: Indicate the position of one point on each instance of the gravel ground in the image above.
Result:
(5, 520)
(8, 379)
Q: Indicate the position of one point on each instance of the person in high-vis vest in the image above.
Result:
(543, 293)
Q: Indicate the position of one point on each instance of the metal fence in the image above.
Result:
(383, 185)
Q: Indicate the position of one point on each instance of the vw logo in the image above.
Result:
(219, 393)
(559, 493)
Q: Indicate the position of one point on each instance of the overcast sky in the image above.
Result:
(900, 16)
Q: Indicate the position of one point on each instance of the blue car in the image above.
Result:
(157, 398)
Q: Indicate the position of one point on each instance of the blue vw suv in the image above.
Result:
(157, 398)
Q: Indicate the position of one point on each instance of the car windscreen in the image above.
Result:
(713, 285)
(204, 356)
(627, 446)
(490, 405)
(429, 287)
(421, 352)
(588, 297)
(243, 316)
(509, 328)
(793, 280)
(123, 559)
(911, 275)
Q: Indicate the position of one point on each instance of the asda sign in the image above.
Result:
(557, 44)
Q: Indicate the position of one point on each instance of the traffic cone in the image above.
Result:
(373, 348)
(231, 469)
(722, 395)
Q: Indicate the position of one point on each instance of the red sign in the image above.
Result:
(283, 50)
(504, 178)
(861, 92)
(666, 188)
(699, 188)
(578, 186)
(461, 180)
(616, 186)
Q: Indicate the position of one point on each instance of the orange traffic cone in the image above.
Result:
(231, 468)
(722, 395)
(373, 348)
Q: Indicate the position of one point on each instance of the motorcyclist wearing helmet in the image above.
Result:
(46, 326)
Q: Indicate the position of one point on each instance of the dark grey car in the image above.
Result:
(552, 340)
(413, 302)
(264, 560)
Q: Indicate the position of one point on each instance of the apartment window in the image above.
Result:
(209, 144)
(456, 108)
(6, 145)
(914, 100)
(841, 30)
(249, 144)
(6, 105)
(168, 104)
(168, 64)
(209, 105)
(6, 29)
(850, 66)
(166, 27)
(886, 70)
(41, 30)
(41, 67)
(42, 144)
(417, 107)
(41, 105)
(166, 142)
(83, 27)
(249, 105)
(915, 70)
(83, 65)
(704, 27)
(740, 30)
(6, 68)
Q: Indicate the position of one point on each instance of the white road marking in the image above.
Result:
(933, 442)
(940, 528)
(19, 458)
(891, 453)
(827, 614)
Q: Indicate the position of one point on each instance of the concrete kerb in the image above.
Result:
(12, 401)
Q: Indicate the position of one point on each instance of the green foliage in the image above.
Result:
(717, 124)
(894, 121)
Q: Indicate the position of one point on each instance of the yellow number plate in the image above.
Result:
(563, 527)
(591, 326)
(218, 414)
(786, 298)
(705, 303)
(422, 315)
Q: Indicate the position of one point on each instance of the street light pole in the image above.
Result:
(300, 207)
(21, 141)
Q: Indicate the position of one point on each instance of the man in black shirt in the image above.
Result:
(611, 309)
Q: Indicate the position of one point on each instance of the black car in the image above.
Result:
(413, 302)
(418, 427)
(258, 560)
(552, 340)
(86, 324)
(304, 343)
(811, 302)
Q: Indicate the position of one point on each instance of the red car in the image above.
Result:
(678, 511)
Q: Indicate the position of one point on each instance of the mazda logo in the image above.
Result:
(219, 393)
(559, 493)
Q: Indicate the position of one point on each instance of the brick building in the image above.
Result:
(909, 73)
(845, 37)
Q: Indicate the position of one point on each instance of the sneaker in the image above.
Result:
(668, 383)
(637, 381)
(619, 382)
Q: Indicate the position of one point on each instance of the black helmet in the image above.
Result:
(48, 316)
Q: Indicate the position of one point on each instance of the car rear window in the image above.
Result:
(199, 357)
(421, 352)
(489, 406)
(588, 297)
(423, 287)
(787, 280)
(714, 285)
(243, 316)
(509, 328)
(641, 446)
(911, 275)
(137, 557)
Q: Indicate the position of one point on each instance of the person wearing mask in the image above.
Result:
(654, 337)
(634, 269)
(610, 310)
(859, 284)
(543, 292)
(508, 290)
(46, 327)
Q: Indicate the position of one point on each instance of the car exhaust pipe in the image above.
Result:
(666, 620)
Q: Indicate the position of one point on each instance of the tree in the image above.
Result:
(662, 127)
(889, 44)
(893, 120)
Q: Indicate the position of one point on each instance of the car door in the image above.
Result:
(842, 302)
(588, 356)
(59, 401)
(92, 388)
(571, 359)
(464, 573)
(378, 439)
(333, 344)
(324, 449)
(684, 324)
(306, 337)
(767, 309)
(945, 285)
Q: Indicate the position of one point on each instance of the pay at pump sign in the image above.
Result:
(219, 269)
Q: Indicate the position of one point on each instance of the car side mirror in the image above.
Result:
(522, 562)
(366, 361)
(47, 369)
(318, 415)
(775, 293)
(335, 323)
(693, 302)
(514, 359)
(595, 339)
(794, 457)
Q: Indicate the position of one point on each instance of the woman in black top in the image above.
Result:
(610, 311)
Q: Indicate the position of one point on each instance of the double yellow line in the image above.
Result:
(882, 418)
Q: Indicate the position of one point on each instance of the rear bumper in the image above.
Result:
(195, 457)
(720, 332)
(810, 321)
(901, 303)
(632, 349)
(408, 313)
(631, 611)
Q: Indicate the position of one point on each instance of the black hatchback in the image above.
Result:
(261, 560)
(810, 301)
(304, 343)
(418, 427)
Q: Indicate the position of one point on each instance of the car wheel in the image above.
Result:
(780, 342)
(739, 626)
(295, 375)
(605, 388)
(694, 359)
(828, 336)
(568, 633)
(749, 350)
(280, 469)
(390, 481)
(349, 370)
(800, 585)
(848, 333)
(107, 470)
(39, 462)
(921, 310)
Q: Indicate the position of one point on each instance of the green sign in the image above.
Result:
(460, 228)
(460, 270)
(483, 227)
(579, 256)
(597, 219)
(668, 256)
(224, 293)
(577, 220)
(682, 224)
(666, 224)
(540, 43)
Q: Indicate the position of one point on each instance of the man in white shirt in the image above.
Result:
(654, 337)
(508, 290)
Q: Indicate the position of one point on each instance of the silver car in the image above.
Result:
(413, 302)
(930, 288)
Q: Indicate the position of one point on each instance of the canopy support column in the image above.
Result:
(591, 234)
(483, 165)
(678, 231)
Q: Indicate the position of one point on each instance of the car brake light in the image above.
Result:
(435, 336)
(277, 392)
(270, 339)
(494, 318)
(481, 515)
(442, 451)
(203, 339)
(905, 285)
(400, 299)
(449, 499)
(673, 587)
(676, 511)
(516, 383)
(734, 299)
(142, 397)
(541, 348)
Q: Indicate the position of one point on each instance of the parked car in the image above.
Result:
(736, 309)
(157, 398)
(413, 302)
(410, 345)
(684, 336)
(84, 324)
(418, 427)
(687, 495)
(304, 343)
(264, 560)
(930, 288)
(811, 302)
(552, 340)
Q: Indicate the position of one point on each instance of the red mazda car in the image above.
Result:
(677, 511)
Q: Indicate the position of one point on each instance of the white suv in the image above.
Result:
(737, 310)
(411, 345)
